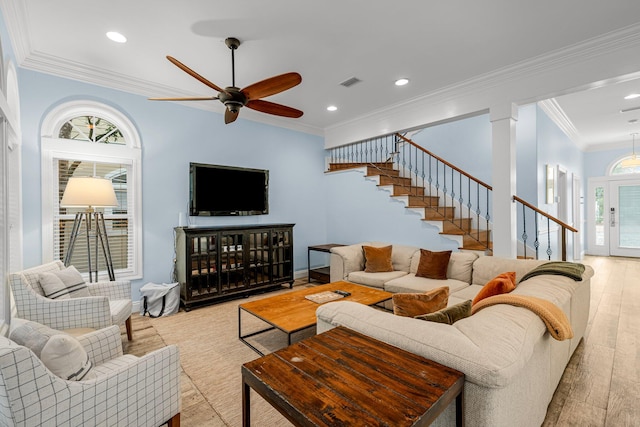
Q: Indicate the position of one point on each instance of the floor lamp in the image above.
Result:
(90, 193)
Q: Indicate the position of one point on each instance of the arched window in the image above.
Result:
(83, 139)
(627, 165)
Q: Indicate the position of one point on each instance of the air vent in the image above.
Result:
(350, 82)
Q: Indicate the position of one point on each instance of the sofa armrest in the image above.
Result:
(345, 260)
(120, 289)
(102, 345)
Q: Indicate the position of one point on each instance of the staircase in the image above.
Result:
(435, 208)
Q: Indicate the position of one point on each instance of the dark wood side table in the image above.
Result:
(343, 378)
(319, 274)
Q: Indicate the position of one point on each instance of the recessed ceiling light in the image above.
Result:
(332, 108)
(116, 37)
(632, 96)
(402, 82)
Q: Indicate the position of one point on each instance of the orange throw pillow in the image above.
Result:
(377, 260)
(501, 284)
(410, 305)
(433, 265)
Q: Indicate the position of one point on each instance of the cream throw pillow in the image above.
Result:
(61, 353)
(63, 284)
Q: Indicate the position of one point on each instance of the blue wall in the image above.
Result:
(172, 136)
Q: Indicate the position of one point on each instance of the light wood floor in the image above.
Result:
(600, 387)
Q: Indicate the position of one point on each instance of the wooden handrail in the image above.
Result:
(440, 159)
(554, 219)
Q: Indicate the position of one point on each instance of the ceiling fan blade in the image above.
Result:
(272, 85)
(230, 116)
(273, 108)
(204, 98)
(194, 74)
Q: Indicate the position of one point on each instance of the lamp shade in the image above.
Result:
(89, 191)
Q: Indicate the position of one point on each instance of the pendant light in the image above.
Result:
(633, 161)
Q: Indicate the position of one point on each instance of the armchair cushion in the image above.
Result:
(61, 353)
(63, 284)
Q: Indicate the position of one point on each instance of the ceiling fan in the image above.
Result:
(235, 98)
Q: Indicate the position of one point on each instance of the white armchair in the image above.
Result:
(127, 390)
(110, 303)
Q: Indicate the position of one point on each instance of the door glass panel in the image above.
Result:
(629, 216)
(599, 215)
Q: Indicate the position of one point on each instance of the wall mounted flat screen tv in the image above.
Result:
(216, 190)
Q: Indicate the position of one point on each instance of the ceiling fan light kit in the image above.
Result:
(235, 98)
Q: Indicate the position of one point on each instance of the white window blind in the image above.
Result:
(118, 221)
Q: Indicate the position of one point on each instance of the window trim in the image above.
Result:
(54, 148)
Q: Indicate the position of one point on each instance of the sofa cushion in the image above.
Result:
(377, 260)
(63, 284)
(375, 280)
(448, 315)
(61, 353)
(411, 305)
(433, 265)
(486, 268)
(460, 265)
(501, 284)
(464, 294)
(409, 283)
(402, 255)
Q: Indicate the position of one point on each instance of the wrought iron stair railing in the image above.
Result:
(529, 214)
(425, 179)
(447, 193)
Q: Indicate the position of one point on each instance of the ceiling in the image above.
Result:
(434, 44)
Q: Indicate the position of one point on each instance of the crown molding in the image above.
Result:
(558, 116)
(15, 17)
(587, 50)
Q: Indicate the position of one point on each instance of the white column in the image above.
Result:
(504, 216)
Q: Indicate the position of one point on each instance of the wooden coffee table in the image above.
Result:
(344, 378)
(291, 312)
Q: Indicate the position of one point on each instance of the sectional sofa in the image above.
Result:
(512, 365)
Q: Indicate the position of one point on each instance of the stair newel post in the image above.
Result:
(460, 198)
(478, 211)
(488, 218)
(524, 231)
(469, 205)
(549, 251)
(536, 243)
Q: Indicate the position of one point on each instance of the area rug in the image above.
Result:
(211, 356)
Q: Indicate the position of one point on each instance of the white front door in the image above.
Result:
(613, 213)
(624, 218)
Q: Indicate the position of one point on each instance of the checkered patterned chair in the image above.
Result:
(110, 303)
(127, 391)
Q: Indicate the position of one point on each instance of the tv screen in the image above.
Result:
(227, 190)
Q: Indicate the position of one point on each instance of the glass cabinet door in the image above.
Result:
(258, 251)
(204, 274)
(232, 264)
(282, 253)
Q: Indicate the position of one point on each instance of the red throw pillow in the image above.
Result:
(377, 260)
(433, 265)
(501, 284)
